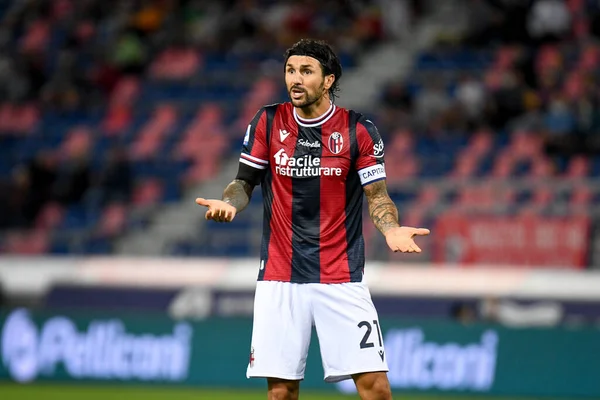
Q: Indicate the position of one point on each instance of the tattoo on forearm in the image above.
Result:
(238, 194)
(382, 209)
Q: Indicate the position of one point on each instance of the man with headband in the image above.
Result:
(314, 161)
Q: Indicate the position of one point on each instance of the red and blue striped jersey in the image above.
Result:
(312, 177)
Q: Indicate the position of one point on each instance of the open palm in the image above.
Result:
(402, 239)
(218, 210)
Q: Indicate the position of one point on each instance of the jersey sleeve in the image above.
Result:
(255, 150)
(254, 158)
(370, 162)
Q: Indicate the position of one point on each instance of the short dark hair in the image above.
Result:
(322, 51)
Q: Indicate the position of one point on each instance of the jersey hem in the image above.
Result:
(274, 375)
(342, 376)
(324, 282)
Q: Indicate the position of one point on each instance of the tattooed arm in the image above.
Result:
(382, 209)
(384, 214)
(238, 193)
(236, 197)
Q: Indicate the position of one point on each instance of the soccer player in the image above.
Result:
(314, 161)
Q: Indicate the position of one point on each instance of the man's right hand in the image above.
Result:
(218, 210)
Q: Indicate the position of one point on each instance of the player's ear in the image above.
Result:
(329, 79)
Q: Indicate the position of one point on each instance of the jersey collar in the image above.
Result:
(315, 121)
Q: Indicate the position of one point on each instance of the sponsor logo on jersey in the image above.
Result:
(336, 142)
(306, 166)
(315, 145)
(283, 134)
(247, 136)
(378, 149)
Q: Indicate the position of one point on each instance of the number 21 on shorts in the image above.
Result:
(365, 343)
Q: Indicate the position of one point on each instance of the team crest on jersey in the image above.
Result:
(336, 142)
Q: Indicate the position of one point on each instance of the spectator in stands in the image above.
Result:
(12, 194)
(150, 16)
(471, 96)
(560, 129)
(115, 180)
(64, 91)
(33, 68)
(515, 14)
(492, 21)
(27, 190)
(508, 99)
(73, 177)
(130, 52)
(559, 118)
(430, 103)
(396, 108)
(532, 120)
(13, 84)
(595, 20)
(549, 20)
(396, 19)
(41, 175)
(484, 23)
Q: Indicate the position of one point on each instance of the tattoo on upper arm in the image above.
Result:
(382, 209)
(238, 194)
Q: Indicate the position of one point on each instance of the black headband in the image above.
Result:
(321, 60)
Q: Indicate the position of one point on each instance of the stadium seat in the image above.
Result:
(147, 192)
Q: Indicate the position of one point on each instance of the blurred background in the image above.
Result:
(116, 114)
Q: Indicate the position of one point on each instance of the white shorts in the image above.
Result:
(346, 322)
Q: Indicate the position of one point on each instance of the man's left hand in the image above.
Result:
(401, 238)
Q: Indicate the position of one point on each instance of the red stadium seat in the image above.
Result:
(152, 134)
(36, 37)
(203, 169)
(543, 196)
(466, 165)
(574, 85)
(505, 57)
(117, 119)
(481, 143)
(575, 6)
(18, 118)
(78, 141)
(403, 142)
(590, 58)
(27, 242)
(578, 167)
(548, 57)
(503, 165)
(525, 145)
(209, 115)
(428, 196)
(542, 167)
(147, 192)
(49, 217)
(581, 195)
(113, 220)
(125, 92)
(402, 168)
(175, 63)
